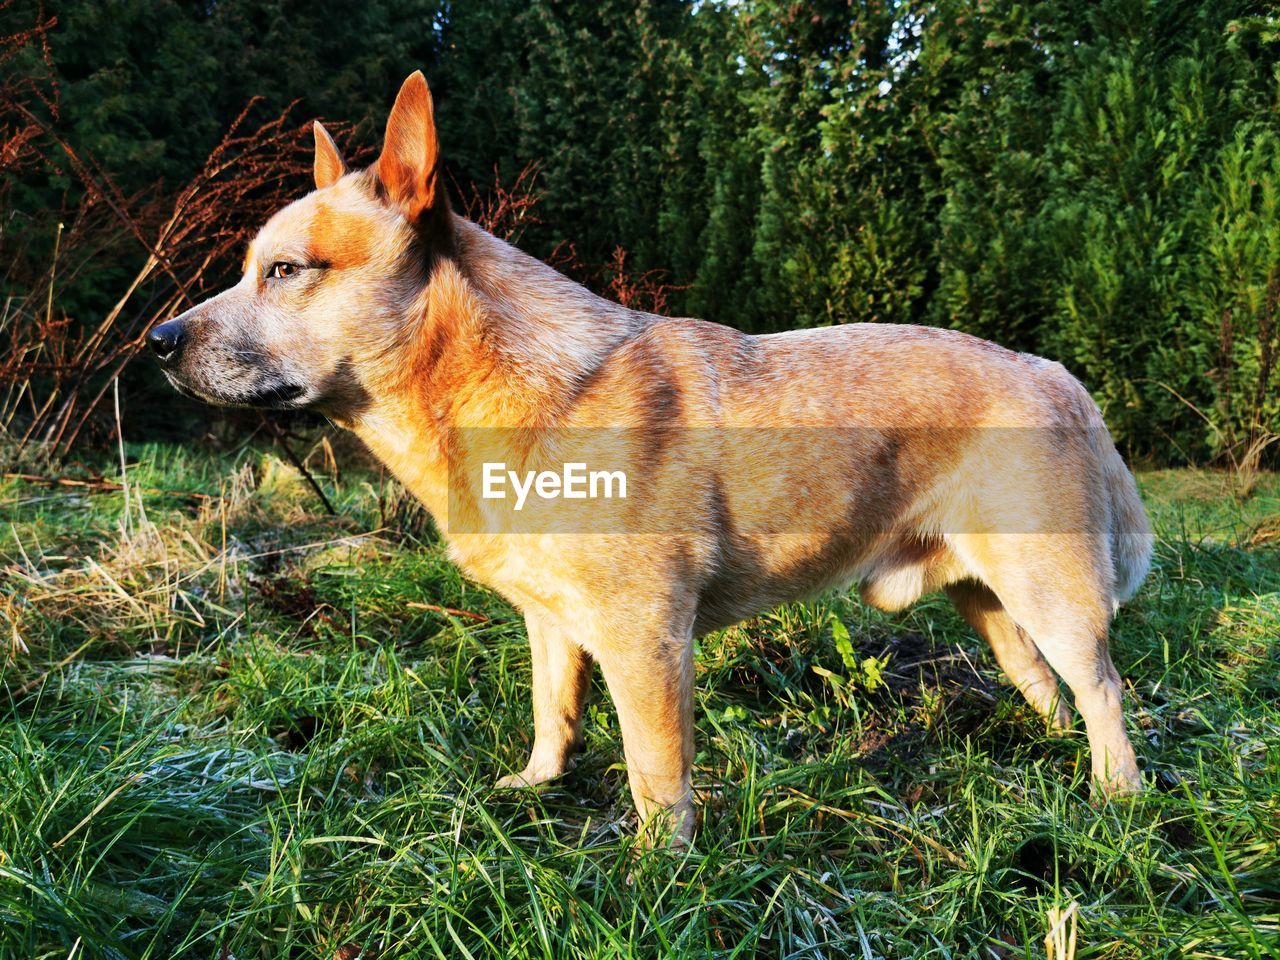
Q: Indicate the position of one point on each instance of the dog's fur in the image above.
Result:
(934, 460)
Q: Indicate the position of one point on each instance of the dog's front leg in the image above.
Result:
(651, 683)
(561, 675)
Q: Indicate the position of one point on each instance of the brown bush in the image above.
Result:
(55, 370)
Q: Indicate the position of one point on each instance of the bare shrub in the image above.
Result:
(55, 369)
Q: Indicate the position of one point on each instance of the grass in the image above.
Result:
(224, 733)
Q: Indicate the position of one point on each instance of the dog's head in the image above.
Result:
(327, 284)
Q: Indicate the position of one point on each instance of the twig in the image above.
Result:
(124, 469)
(452, 611)
(301, 467)
(100, 485)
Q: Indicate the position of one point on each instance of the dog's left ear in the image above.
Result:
(410, 152)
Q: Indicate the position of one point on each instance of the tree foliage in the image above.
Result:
(1094, 182)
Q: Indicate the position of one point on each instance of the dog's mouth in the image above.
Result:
(276, 396)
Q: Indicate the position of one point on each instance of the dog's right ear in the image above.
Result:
(329, 166)
(410, 152)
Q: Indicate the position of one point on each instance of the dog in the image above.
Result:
(761, 469)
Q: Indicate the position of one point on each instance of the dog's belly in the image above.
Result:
(823, 508)
(752, 579)
(893, 571)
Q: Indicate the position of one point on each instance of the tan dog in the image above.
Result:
(760, 469)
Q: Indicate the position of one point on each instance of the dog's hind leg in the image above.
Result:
(1055, 586)
(1016, 654)
(1078, 652)
(561, 675)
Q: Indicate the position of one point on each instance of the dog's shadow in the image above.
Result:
(775, 706)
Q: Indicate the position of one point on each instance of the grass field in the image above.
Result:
(225, 732)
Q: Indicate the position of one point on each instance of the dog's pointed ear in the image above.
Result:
(329, 166)
(407, 166)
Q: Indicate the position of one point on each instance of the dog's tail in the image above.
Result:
(1130, 530)
(1131, 537)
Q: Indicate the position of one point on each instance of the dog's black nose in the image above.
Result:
(165, 341)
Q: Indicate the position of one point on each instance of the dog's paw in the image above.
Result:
(1062, 721)
(1123, 784)
(525, 779)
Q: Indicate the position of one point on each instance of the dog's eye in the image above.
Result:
(279, 270)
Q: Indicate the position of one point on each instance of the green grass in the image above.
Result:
(229, 736)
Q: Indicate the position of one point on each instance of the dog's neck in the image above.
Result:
(547, 331)
(500, 340)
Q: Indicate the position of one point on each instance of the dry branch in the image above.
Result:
(55, 369)
(102, 485)
(451, 611)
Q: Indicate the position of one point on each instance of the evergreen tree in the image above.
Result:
(1097, 183)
